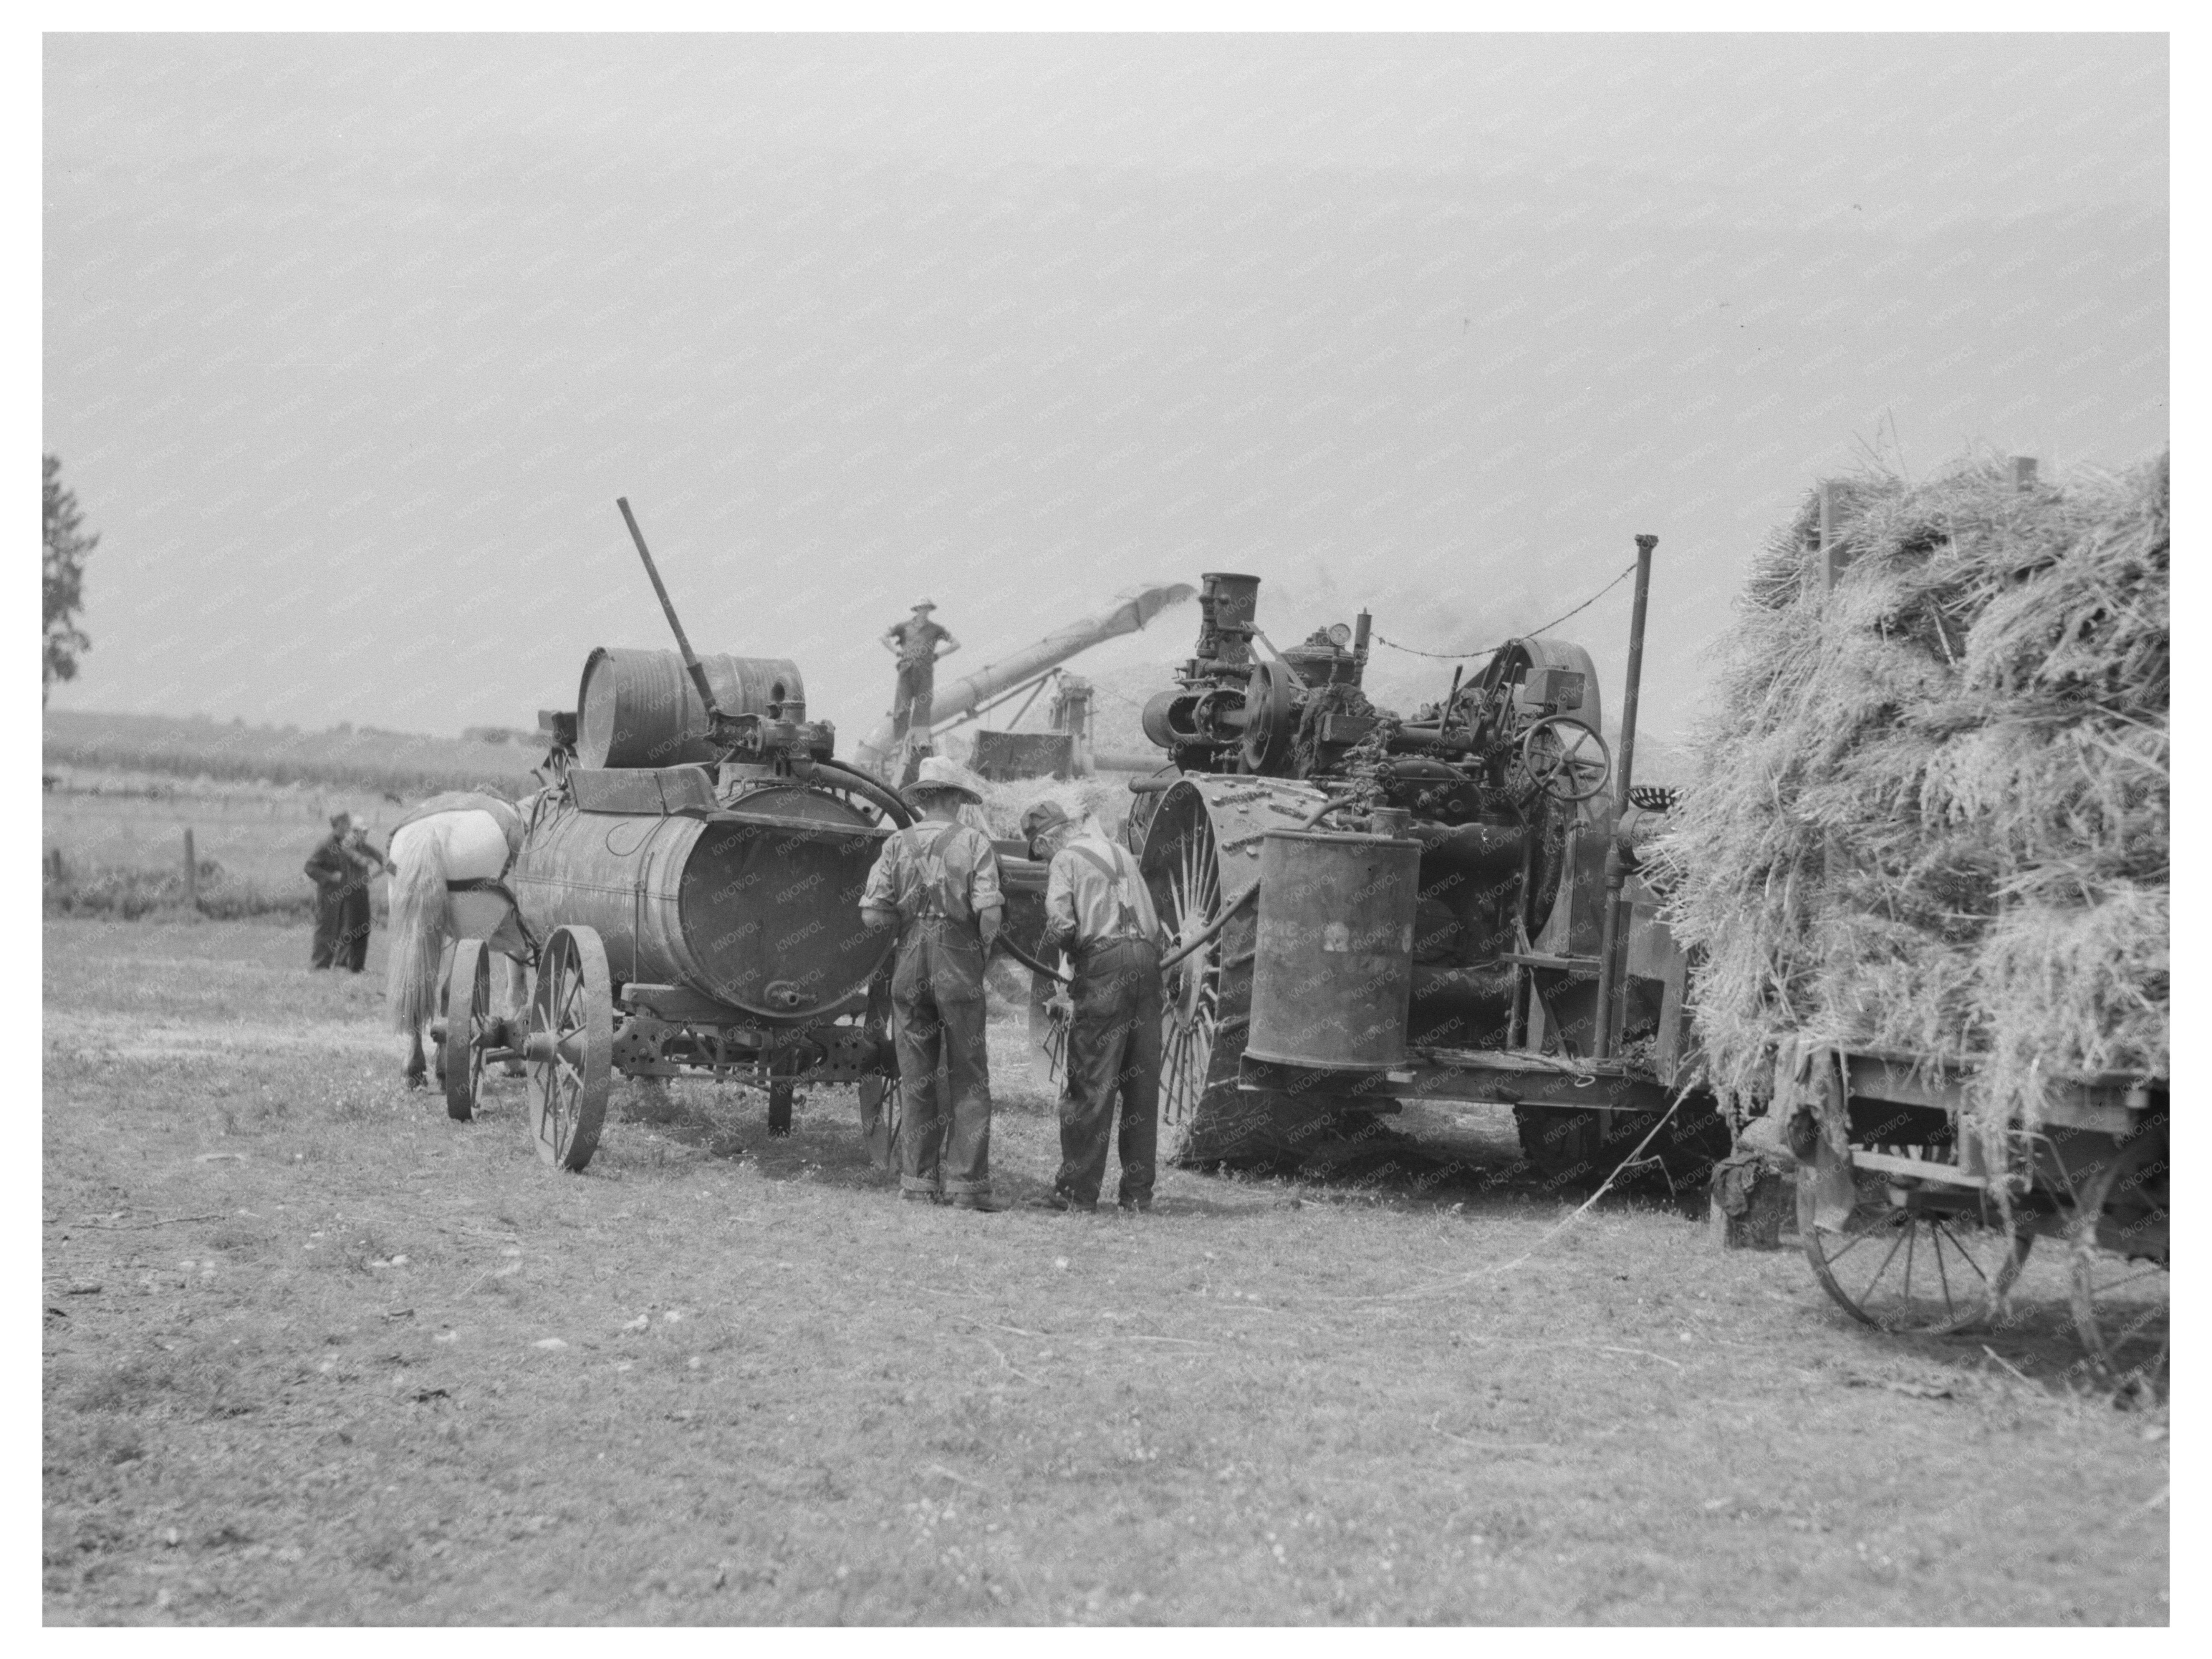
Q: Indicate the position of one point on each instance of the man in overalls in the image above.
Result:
(938, 881)
(1097, 908)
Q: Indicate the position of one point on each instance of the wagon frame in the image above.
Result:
(1891, 1179)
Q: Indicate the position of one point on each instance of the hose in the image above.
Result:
(1212, 928)
(869, 790)
(1001, 942)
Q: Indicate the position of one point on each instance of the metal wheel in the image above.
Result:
(468, 1021)
(1912, 1261)
(1564, 758)
(2118, 1245)
(1191, 1013)
(572, 1033)
(1270, 717)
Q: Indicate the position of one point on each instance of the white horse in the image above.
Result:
(463, 841)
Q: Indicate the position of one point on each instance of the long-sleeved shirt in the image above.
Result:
(1094, 891)
(934, 869)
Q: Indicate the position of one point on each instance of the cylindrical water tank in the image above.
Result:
(640, 709)
(1334, 972)
(760, 913)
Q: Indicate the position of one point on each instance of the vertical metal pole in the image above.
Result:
(1610, 978)
(1829, 569)
(192, 873)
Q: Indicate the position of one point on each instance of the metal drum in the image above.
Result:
(638, 709)
(1333, 971)
(758, 908)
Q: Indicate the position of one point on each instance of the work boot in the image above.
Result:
(982, 1201)
(1136, 1206)
(920, 1198)
(1062, 1203)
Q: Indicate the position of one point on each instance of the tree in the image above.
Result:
(66, 548)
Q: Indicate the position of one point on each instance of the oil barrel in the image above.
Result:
(758, 907)
(1333, 970)
(638, 707)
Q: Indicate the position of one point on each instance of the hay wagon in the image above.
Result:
(1911, 1223)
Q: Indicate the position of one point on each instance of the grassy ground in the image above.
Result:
(316, 1354)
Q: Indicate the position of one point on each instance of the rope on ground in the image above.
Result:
(1491, 651)
(1577, 1214)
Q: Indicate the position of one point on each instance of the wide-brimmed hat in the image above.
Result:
(925, 605)
(941, 775)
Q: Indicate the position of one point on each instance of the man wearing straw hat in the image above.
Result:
(938, 882)
(1097, 908)
(916, 642)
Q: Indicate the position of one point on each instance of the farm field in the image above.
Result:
(405, 762)
(261, 837)
(315, 1354)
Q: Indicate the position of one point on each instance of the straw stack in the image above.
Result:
(1930, 811)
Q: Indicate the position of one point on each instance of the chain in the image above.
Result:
(1463, 656)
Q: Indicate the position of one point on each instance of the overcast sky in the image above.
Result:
(351, 342)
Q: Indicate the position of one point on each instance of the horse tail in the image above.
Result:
(422, 913)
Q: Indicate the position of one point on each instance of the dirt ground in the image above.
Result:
(315, 1354)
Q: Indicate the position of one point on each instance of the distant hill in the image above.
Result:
(361, 757)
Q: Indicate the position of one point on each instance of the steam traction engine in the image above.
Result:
(1446, 908)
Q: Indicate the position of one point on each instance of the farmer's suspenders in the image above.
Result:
(951, 903)
(1126, 920)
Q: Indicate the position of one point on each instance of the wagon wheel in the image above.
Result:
(2118, 1243)
(1050, 1015)
(1565, 759)
(468, 1020)
(572, 1031)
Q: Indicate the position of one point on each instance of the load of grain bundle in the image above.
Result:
(1929, 810)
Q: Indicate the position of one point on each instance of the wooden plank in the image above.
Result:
(1948, 1175)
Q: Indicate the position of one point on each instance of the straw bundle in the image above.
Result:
(1930, 811)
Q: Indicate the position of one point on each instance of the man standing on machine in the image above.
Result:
(916, 642)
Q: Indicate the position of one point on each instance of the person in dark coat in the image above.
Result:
(331, 867)
(938, 882)
(1098, 909)
(354, 917)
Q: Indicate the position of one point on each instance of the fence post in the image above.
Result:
(191, 872)
(2023, 473)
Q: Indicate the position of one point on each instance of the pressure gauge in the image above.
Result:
(1340, 634)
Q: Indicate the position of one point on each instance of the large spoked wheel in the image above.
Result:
(1912, 1261)
(468, 1021)
(572, 1034)
(2119, 1245)
(1051, 1014)
(1191, 1002)
(1565, 759)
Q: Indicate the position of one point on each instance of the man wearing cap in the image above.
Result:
(938, 882)
(1097, 908)
(916, 642)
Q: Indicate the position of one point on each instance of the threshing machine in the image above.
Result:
(690, 881)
